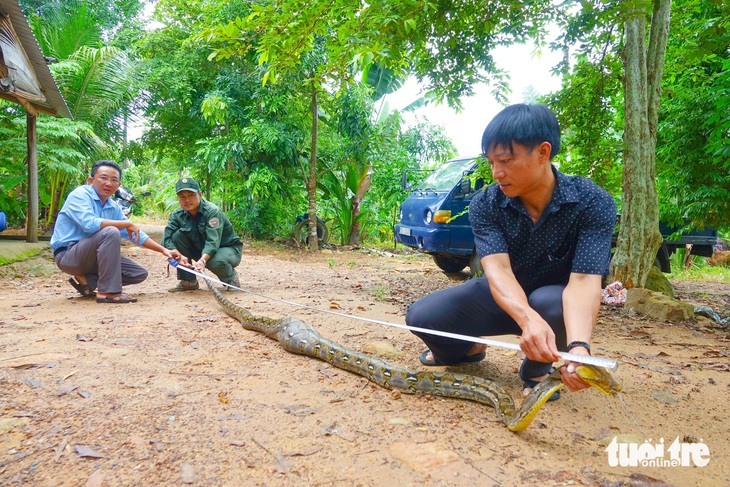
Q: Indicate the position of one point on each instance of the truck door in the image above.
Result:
(462, 237)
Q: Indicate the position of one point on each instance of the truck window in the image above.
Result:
(447, 176)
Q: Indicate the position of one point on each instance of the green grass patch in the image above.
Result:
(702, 273)
(380, 292)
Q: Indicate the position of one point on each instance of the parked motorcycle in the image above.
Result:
(126, 199)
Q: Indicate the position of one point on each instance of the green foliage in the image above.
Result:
(62, 28)
(446, 45)
(590, 111)
(97, 82)
(428, 143)
(693, 157)
(698, 270)
(318, 45)
(215, 121)
(339, 187)
(399, 151)
(266, 207)
(161, 186)
(383, 80)
(109, 16)
(589, 106)
(693, 162)
(60, 161)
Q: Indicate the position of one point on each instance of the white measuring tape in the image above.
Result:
(590, 360)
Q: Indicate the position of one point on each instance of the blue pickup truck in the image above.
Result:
(434, 219)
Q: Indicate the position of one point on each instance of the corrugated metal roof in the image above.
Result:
(54, 104)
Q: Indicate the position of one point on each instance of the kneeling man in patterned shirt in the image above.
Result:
(544, 240)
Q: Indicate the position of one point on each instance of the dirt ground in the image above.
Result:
(171, 391)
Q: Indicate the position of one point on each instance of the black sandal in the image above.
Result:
(83, 289)
(477, 357)
(529, 383)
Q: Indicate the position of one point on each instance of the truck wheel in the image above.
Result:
(662, 259)
(448, 264)
(475, 264)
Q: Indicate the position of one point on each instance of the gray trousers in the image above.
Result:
(99, 258)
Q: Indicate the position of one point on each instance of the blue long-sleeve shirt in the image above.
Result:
(81, 216)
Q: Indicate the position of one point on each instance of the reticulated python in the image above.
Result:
(297, 336)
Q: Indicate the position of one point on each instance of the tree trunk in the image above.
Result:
(639, 237)
(312, 180)
(31, 230)
(355, 229)
(125, 143)
(357, 198)
(226, 206)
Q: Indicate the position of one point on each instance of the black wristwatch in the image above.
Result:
(577, 343)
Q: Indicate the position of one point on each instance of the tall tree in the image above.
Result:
(213, 119)
(96, 81)
(294, 37)
(447, 44)
(624, 43)
(639, 237)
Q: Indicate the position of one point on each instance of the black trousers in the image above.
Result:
(469, 309)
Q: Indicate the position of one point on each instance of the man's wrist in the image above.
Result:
(578, 344)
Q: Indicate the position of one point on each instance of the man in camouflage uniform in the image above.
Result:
(201, 232)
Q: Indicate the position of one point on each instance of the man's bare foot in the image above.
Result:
(475, 354)
(477, 349)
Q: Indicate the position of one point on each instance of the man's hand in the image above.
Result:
(538, 340)
(133, 232)
(581, 301)
(200, 264)
(571, 380)
(176, 255)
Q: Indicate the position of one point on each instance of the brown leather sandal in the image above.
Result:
(116, 298)
(83, 289)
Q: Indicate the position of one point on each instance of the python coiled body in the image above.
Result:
(297, 336)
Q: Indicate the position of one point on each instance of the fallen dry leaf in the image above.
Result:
(305, 453)
(65, 390)
(87, 452)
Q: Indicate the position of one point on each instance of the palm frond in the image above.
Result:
(95, 81)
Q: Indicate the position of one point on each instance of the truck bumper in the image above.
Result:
(428, 240)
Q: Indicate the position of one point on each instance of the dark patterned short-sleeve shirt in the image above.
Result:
(573, 233)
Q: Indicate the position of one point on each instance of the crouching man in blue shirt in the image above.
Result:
(544, 240)
(86, 239)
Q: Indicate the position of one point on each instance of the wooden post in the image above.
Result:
(31, 229)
